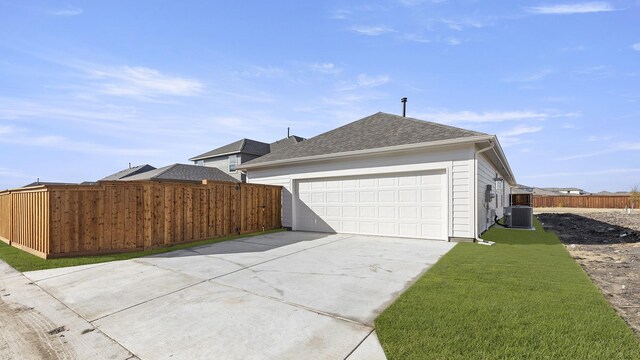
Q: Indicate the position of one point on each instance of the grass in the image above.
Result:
(522, 298)
(23, 261)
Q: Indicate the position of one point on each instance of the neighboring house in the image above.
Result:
(182, 172)
(390, 175)
(567, 191)
(123, 174)
(523, 189)
(37, 183)
(227, 158)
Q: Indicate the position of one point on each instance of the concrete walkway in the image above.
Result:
(288, 295)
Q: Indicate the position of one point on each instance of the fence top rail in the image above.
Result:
(100, 185)
(584, 196)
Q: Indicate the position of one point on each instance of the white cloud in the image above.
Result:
(142, 82)
(415, 38)
(263, 72)
(61, 142)
(613, 149)
(595, 72)
(485, 117)
(364, 81)
(521, 130)
(636, 46)
(511, 137)
(461, 24)
(72, 11)
(594, 138)
(530, 77)
(325, 68)
(340, 14)
(578, 8)
(453, 41)
(372, 30)
(583, 173)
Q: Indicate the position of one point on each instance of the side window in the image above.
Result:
(232, 162)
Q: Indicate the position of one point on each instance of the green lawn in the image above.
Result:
(522, 298)
(23, 261)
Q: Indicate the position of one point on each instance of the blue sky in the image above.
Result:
(87, 87)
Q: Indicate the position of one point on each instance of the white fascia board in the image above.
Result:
(440, 143)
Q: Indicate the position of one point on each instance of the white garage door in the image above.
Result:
(409, 205)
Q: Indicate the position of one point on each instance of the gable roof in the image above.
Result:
(283, 143)
(128, 172)
(245, 146)
(183, 172)
(376, 131)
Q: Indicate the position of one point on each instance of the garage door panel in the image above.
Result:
(408, 212)
(387, 212)
(410, 205)
(386, 196)
(408, 196)
(349, 197)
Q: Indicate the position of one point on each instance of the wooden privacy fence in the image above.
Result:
(583, 201)
(117, 216)
(521, 199)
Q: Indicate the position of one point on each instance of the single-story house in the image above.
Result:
(390, 175)
(567, 191)
(130, 171)
(182, 172)
(228, 157)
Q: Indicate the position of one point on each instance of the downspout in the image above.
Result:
(476, 236)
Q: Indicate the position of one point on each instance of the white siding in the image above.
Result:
(486, 175)
(222, 163)
(457, 161)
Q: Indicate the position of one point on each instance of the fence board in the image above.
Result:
(583, 201)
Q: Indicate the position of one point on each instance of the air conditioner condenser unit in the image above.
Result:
(520, 217)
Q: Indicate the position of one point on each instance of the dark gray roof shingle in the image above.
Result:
(246, 146)
(128, 172)
(183, 172)
(376, 131)
(283, 143)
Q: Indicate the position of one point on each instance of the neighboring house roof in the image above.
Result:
(376, 131)
(563, 189)
(36, 183)
(128, 172)
(283, 143)
(245, 146)
(183, 172)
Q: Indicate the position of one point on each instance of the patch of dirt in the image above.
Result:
(607, 246)
(26, 334)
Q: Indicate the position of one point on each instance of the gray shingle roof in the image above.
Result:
(184, 172)
(246, 146)
(283, 143)
(128, 172)
(376, 131)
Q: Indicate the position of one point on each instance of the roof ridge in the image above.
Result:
(168, 167)
(432, 122)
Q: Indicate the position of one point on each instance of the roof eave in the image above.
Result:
(439, 143)
(201, 157)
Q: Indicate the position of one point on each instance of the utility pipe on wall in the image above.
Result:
(476, 236)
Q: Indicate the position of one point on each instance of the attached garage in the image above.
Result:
(391, 176)
(409, 205)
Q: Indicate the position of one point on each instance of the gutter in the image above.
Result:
(440, 143)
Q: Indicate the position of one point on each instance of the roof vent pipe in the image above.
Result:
(404, 106)
(288, 136)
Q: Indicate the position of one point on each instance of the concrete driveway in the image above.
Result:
(287, 295)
